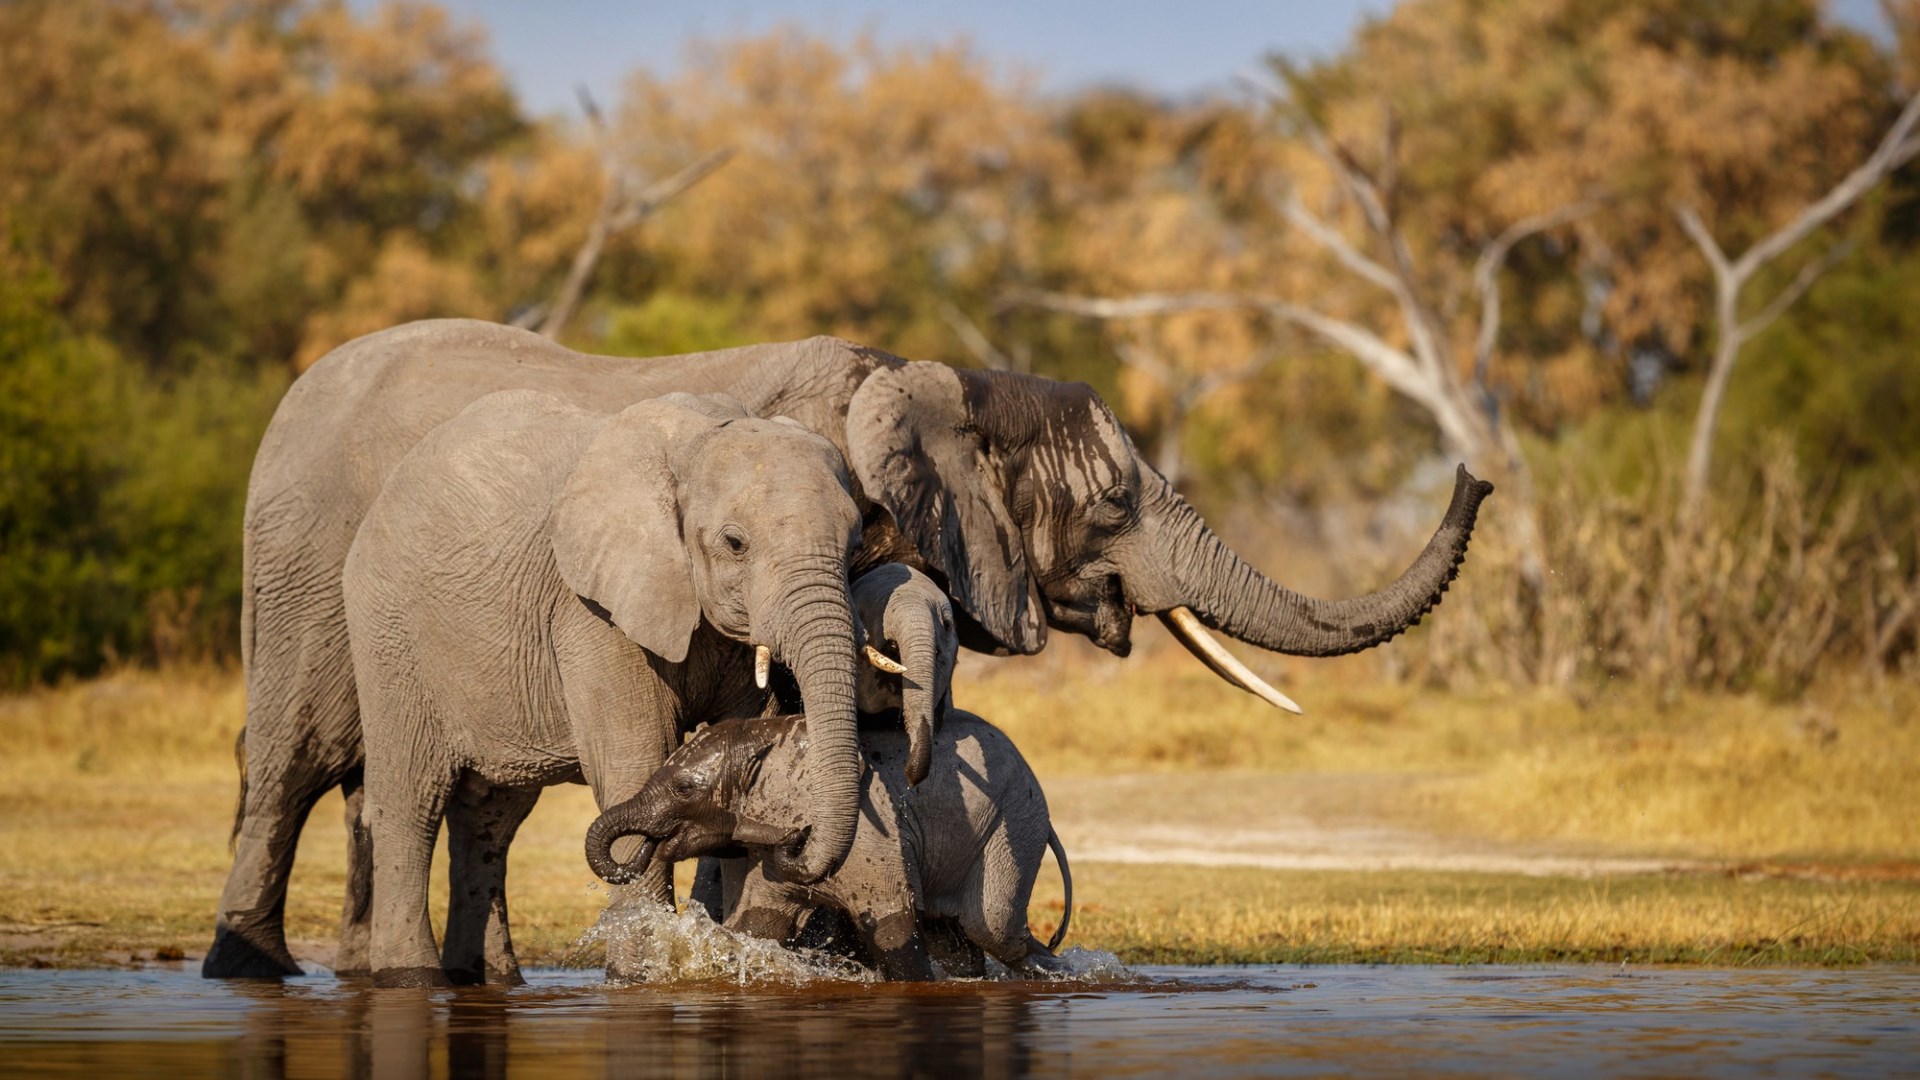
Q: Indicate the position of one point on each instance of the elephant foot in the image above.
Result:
(506, 976)
(233, 955)
(409, 977)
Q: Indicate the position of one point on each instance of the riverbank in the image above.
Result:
(1388, 825)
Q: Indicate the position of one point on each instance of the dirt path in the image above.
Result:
(1292, 822)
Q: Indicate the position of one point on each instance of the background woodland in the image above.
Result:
(1653, 266)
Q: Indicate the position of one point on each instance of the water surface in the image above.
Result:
(1568, 1021)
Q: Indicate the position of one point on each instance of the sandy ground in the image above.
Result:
(1292, 822)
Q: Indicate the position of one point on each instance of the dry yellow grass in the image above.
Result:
(116, 797)
(1716, 776)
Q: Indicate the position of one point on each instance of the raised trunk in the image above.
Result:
(1191, 566)
(817, 642)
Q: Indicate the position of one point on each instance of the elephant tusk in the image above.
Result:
(884, 662)
(762, 665)
(1184, 625)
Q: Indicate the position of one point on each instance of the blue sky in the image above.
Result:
(1170, 47)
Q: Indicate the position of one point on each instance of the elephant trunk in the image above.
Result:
(623, 820)
(817, 642)
(1204, 574)
(922, 688)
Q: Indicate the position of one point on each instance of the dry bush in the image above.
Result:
(1765, 594)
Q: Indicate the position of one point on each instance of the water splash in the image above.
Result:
(656, 944)
(1076, 964)
(1072, 964)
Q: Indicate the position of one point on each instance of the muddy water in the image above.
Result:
(1189, 1021)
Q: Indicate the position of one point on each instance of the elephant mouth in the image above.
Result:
(1096, 608)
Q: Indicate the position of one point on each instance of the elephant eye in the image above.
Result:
(1114, 504)
(735, 539)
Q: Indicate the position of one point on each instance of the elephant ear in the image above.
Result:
(615, 526)
(917, 450)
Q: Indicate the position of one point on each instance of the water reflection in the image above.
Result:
(1189, 1021)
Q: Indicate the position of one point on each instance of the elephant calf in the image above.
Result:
(961, 848)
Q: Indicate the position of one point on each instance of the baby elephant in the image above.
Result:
(952, 823)
(964, 846)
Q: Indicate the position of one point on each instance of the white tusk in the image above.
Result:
(762, 665)
(1183, 624)
(884, 662)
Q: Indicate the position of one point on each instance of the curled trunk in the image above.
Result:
(1231, 596)
(618, 821)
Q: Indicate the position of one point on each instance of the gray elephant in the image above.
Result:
(960, 850)
(543, 594)
(1021, 496)
(941, 870)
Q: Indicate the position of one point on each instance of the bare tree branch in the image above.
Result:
(1895, 150)
(653, 196)
(1397, 368)
(1486, 277)
(1696, 230)
(620, 209)
(1329, 239)
(1796, 288)
(1899, 145)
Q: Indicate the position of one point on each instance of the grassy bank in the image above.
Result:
(1827, 778)
(116, 797)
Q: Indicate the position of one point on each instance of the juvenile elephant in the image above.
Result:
(1021, 496)
(961, 849)
(543, 594)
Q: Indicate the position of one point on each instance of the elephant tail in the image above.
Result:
(1066, 881)
(240, 807)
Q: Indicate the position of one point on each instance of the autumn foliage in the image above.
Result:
(198, 198)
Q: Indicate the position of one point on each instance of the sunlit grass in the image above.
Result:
(116, 798)
(1182, 915)
(1708, 776)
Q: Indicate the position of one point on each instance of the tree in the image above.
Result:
(625, 201)
(869, 184)
(1732, 276)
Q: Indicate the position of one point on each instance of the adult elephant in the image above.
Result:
(544, 593)
(1022, 496)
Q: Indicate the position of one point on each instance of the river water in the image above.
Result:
(1567, 1021)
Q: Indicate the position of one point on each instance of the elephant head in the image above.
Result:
(1027, 499)
(910, 648)
(683, 508)
(696, 803)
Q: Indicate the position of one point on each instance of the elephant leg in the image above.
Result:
(771, 921)
(356, 913)
(831, 931)
(302, 737)
(249, 937)
(995, 917)
(408, 785)
(958, 957)
(480, 827)
(762, 908)
(892, 935)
